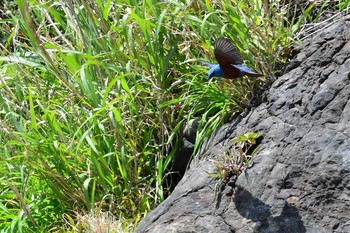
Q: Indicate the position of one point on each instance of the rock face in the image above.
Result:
(298, 180)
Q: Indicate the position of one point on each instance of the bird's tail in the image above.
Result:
(253, 74)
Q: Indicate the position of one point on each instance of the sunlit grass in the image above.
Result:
(93, 95)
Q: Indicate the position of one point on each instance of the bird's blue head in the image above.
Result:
(216, 71)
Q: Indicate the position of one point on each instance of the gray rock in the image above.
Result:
(298, 180)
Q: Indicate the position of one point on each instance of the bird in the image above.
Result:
(230, 62)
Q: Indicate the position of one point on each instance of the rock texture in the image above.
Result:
(298, 180)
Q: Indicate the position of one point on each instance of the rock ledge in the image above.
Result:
(298, 180)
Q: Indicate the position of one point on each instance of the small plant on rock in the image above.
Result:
(233, 164)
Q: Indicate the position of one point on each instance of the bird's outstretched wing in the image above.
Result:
(226, 53)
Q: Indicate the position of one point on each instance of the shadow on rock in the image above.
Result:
(257, 211)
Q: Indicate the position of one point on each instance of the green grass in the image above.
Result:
(93, 94)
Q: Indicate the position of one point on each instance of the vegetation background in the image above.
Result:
(93, 95)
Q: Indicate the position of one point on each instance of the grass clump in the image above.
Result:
(93, 93)
(234, 164)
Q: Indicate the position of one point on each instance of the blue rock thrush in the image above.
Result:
(230, 62)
